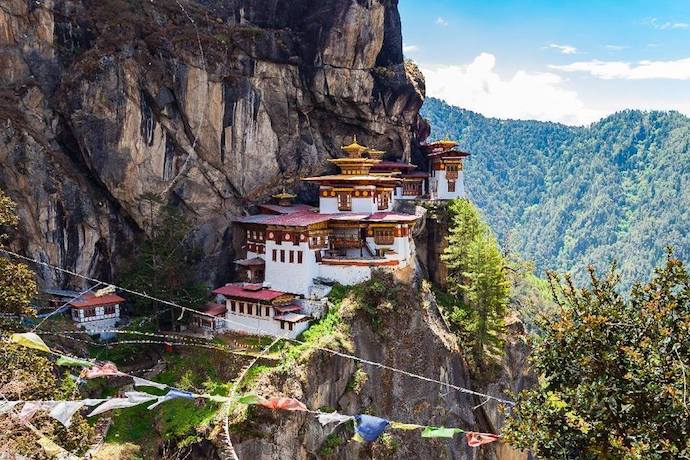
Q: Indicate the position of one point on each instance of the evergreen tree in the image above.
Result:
(28, 374)
(476, 279)
(17, 281)
(163, 266)
(613, 372)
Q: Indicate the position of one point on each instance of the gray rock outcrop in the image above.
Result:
(212, 104)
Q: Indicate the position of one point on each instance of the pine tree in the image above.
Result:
(476, 279)
(164, 262)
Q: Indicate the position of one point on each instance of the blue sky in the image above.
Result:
(567, 61)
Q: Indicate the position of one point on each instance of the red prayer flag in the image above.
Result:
(283, 403)
(103, 370)
(477, 439)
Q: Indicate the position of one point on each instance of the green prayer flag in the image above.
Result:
(405, 426)
(76, 362)
(30, 340)
(249, 399)
(440, 432)
(218, 398)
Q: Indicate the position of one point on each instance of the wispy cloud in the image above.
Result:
(525, 95)
(409, 48)
(616, 47)
(563, 49)
(441, 21)
(642, 70)
(655, 23)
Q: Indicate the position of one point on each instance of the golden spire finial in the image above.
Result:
(354, 150)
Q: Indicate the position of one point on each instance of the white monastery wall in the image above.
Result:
(294, 277)
(328, 205)
(442, 192)
(345, 274)
(261, 325)
(364, 205)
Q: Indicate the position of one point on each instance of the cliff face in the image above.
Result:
(214, 104)
(405, 332)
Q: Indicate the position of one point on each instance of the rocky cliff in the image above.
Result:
(400, 326)
(213, 104)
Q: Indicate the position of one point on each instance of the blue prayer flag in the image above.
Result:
(370, 427)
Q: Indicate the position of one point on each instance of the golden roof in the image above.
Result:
(284, 195)
(445, 143)
(354, 149)
(373, 153)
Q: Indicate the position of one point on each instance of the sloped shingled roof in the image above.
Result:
(90, 300)
(239, 290)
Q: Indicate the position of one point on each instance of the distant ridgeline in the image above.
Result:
(566, 196)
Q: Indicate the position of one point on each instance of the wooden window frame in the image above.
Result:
(344, 201)
(299, 257)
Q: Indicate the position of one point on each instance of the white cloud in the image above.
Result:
(616, 47)
(564, 49)
(643, 70)
(477, 86)
(667, 25)
(410, 48)
(441, 21)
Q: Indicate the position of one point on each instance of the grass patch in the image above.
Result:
(330, 444)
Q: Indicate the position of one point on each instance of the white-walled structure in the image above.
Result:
(253, 309)
(93, 313)
(446, 181)
(301, 251)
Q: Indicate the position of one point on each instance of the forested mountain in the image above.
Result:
(567, 196)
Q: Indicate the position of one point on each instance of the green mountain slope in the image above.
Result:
(567, 196)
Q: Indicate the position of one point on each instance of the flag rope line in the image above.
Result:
(64, 305)
(31, 340)
(235, 386)
(153, 342)
(337, 353)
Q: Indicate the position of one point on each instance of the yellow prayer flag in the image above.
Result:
(30, 340)
(405, 426)
(50, 447)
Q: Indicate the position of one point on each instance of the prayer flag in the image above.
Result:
(250, 398)
(172, 394)
(370, 427)
(63, 411)
(218, 398)
(283, 403)
(103, 370)
(29, 410)
(440, 432)
(405, 426)
(477, 439)
(75, 362)
(333, 417)
(139, 382)
(50, 448)
(30, 340)
(134, 398)
(7, 406)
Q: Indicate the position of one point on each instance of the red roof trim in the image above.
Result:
(90, 300)
(238, 291)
